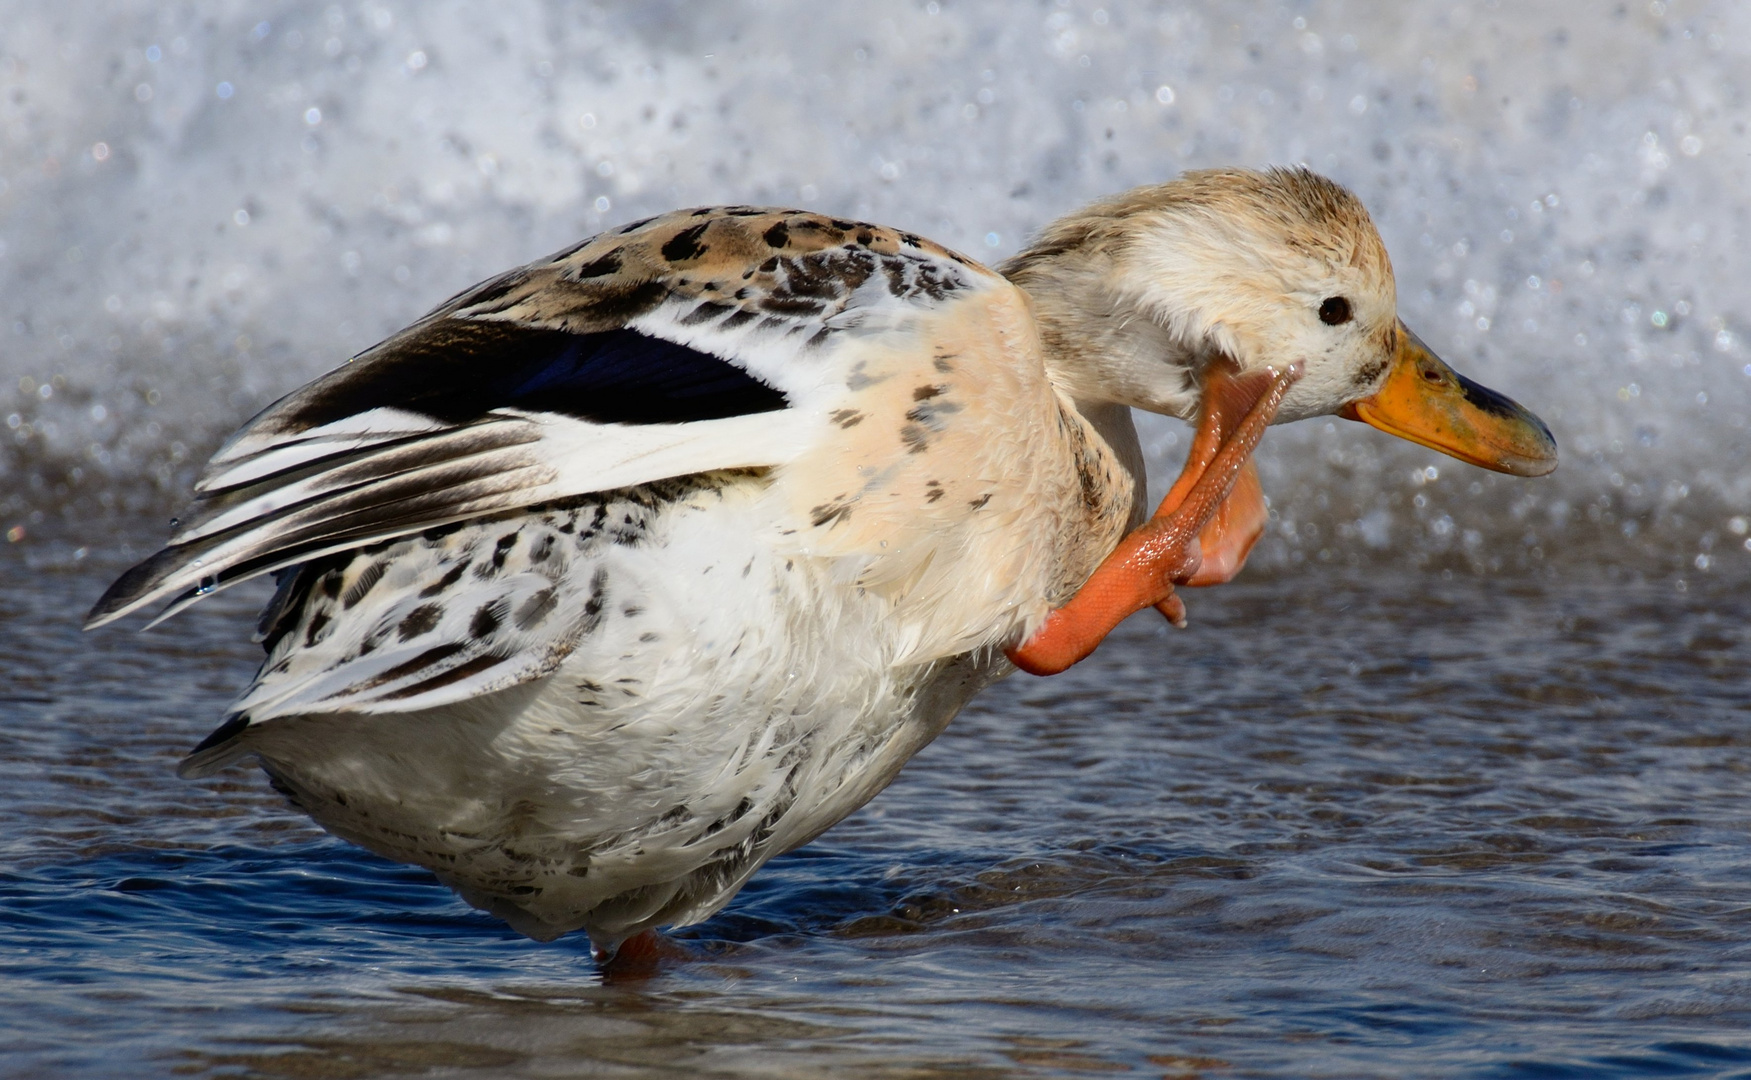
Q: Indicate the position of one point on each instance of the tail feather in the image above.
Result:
(217, 750)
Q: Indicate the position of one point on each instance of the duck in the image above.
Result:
(623, 572)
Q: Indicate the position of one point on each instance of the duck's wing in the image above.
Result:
(700, 340)
(449, 613)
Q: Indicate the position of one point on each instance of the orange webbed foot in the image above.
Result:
(1233, 530)
(1142, 571)
(1173, 609)
(639, 957)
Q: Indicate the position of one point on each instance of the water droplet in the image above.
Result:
(207, 585)
(174, 522)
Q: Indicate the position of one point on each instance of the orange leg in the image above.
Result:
(639, 956)
(1206, 444)
(1233, 530)
(1240, 519)
(1142, 571)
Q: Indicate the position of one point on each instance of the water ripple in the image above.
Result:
(1342, 827)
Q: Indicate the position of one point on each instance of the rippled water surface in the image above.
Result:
(1372, 824)
(1356, 822)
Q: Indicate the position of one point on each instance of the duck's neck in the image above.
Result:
(1100, 346)
(1113, 423)
(1064, 288)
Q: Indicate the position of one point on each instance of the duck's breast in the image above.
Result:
(952, 478)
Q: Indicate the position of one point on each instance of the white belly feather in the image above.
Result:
(728, 702)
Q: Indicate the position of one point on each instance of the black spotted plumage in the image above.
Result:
(441, 634)
(531, 386)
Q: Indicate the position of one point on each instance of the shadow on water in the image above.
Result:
(1365, 825)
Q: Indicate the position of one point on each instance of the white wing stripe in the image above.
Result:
(246, 452)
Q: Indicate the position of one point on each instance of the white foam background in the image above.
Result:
(1561, 186)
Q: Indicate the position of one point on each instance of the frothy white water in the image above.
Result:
(199, 210)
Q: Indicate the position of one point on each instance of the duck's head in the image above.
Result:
(1142, 295)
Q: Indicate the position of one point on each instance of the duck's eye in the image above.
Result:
(1335, 311)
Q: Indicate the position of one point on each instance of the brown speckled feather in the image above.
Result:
(896, 387)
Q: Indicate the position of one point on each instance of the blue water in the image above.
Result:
(1377, 823)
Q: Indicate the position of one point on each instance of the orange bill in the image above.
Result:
(1427, 402)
